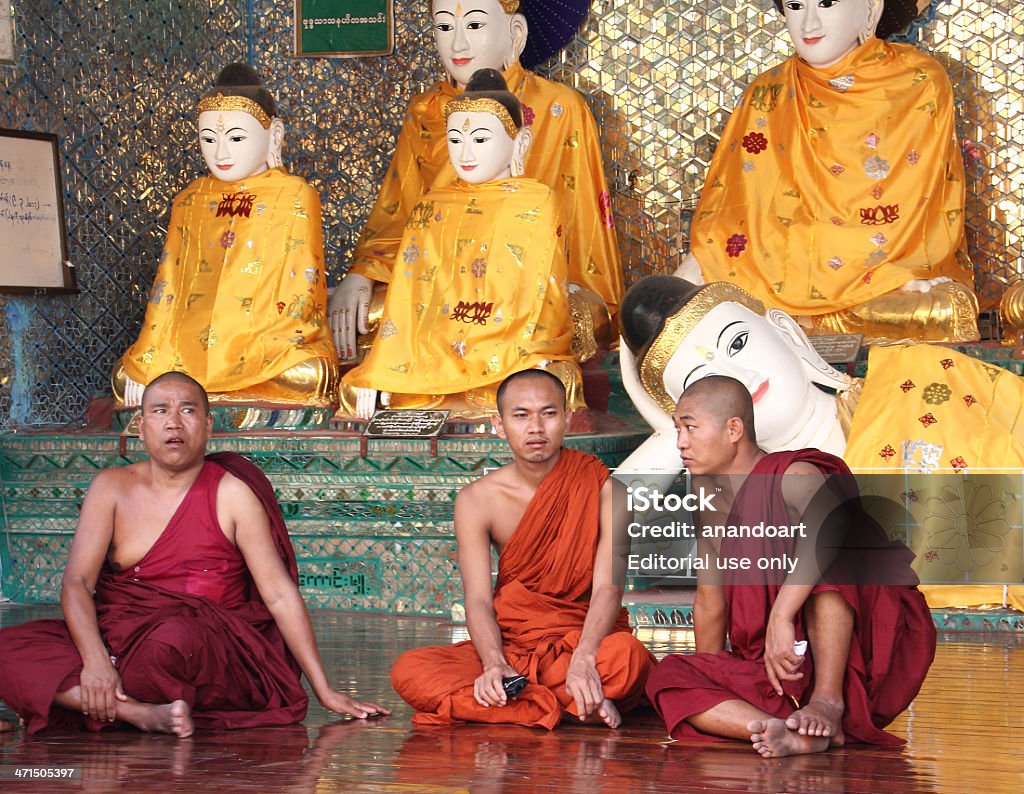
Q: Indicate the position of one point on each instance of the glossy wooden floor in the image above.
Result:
(964, 735)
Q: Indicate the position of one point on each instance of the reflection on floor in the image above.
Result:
(963, 735)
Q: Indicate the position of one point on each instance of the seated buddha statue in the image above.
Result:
(921, 409)
(565, 156)
(481, 290)
(239, 299)
(837, 190)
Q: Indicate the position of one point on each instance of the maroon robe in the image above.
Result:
(893, 641)
(185, 622)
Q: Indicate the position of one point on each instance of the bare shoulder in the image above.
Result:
(236, 493)
(119, 481)
(486, 488)
(803, 467)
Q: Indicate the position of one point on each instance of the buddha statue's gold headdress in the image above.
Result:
(486, 92)
(219, 101)
(465, 104)
(238, 87)
(668, 309)
(509, 6)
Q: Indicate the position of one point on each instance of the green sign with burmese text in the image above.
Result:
(344, 28)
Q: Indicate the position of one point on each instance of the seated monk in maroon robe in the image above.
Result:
(554, 615)
(180, 596)
(815, 659)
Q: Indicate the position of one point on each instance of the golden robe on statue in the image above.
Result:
(479, 291)
(928, 408)
(832, 187)
(239, 296)
(565, 155)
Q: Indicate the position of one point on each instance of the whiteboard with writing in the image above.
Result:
(33, 239)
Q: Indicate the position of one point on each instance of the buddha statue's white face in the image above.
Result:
(476, 34)
(732, 340)
(479, 147)
(825, 31)
(235, 146)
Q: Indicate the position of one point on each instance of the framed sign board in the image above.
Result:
(6, 33)
(344, 28)
(33, 236)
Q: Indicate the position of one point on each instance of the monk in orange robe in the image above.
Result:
(555, 613)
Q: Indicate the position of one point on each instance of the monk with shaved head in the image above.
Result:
(815, 660)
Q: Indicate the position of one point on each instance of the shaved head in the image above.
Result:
(180, 377)
(724, 398)
(525, 375)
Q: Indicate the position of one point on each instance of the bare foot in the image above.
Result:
(819, 718)
(609, 713)
(772, 739)
(174, 718)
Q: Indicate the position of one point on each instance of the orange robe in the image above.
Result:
(834, 186)
(565, 155)
(540, 600)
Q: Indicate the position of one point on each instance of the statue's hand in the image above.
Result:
(645, 404)
(348, 310)
(690, 270)
(366, 403)
(923, 284)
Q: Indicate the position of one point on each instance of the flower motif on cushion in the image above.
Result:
(478, 267)
(836, 169)
(736, 245)
(879, 239)
(937, 393)
(907, 385)
(227, 239)
(529, 115)
(411, 254)
(966, 523)
(887, 452)
(871, 141)
(876, 168)
(958, 464)
(755, 142)
(835, 263)
(913, 157)
(970, 400)
(388, 329)
(946, 363)
(927, 420)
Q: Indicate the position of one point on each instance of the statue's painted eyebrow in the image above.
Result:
(730, 325)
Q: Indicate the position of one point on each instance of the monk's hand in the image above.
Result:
(780, 660)
(340, 703)
(348, 312)
(101, 689)
(583, 683)
(487, 688)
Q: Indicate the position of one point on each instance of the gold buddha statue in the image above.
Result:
(239, 300)
(482, 290)
(837, 190)
(565, 155)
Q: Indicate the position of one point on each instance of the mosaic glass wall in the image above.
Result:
(116, 79)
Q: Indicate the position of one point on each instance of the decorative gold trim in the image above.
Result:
(509, 6)
(234, 102)
(482, 105)
(679, 326)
